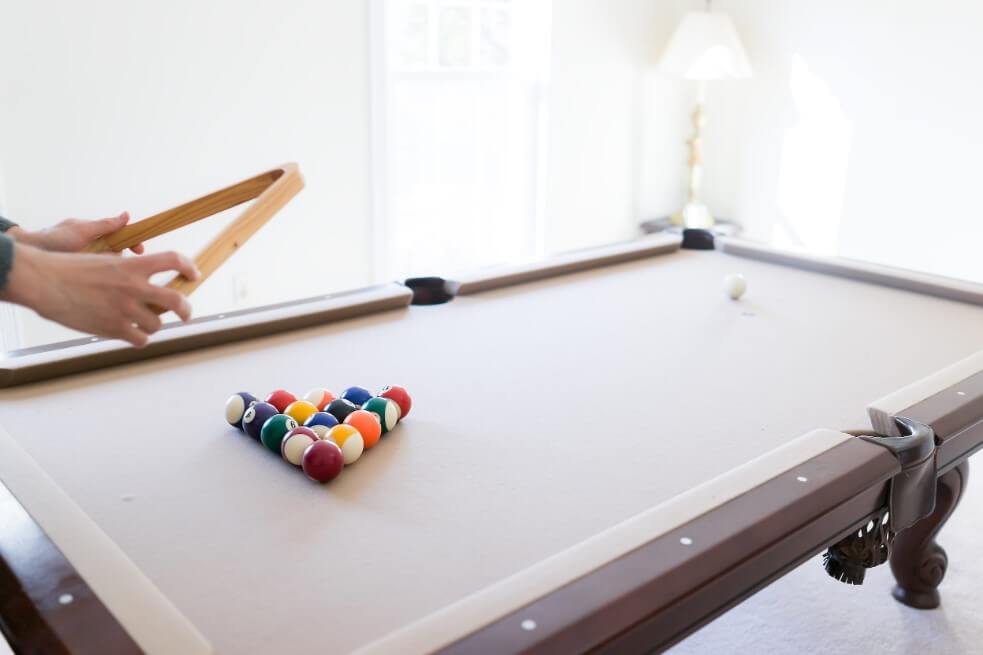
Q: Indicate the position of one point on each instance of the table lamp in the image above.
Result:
(704, 47)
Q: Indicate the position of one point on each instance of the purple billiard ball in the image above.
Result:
(255, 417)
(356, 395)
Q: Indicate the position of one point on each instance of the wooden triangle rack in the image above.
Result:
(271, 191)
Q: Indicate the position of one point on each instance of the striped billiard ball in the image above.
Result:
(295, 443)
(321, 422)
(387, 411)
(349, 440)
(236, 406)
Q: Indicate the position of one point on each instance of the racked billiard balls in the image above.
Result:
(300, 410)
(319, 398)
(400, 396)
(321, 422)
(323, 461)
(385, 409)
(280, 399)
(349, 440)
(357, 395)
(236, 406)
(275, 429)
(255, 417)
(295, 443)
(367, 423)
(340, 409)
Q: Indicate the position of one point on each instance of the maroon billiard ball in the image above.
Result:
(323, 461)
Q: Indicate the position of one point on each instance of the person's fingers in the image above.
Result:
(170, 300)
(166, 261)
(146, 320)
(137, 249)
(134, 335)
(92, 230)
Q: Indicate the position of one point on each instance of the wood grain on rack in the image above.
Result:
(271, 191)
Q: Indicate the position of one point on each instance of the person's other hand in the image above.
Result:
(105, 296)
(73, 234)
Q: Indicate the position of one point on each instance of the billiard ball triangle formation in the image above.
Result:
(321, 433)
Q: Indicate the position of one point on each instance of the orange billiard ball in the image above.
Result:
(367, 423)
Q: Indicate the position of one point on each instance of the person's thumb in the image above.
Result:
(104, 226)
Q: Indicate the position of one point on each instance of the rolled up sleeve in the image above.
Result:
(6, 259)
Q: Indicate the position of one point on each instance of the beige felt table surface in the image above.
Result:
(543, 414)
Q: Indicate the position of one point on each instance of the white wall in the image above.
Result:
(111, 104)
(881, 160)
(616, 126)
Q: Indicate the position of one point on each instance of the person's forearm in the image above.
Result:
(20, 235)
(19, 280)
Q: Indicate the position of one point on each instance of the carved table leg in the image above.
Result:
(918, 563)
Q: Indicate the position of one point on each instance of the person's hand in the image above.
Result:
(106, 296)
(72, 234)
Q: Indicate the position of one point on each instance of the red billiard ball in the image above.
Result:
(281, 399)
(400, 396)
(323, 461)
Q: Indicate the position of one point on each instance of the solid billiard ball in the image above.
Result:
(300, 410)
(319, 398)
(321, 422)
(385, 409)
(275, 429)
(340, 408)
(367, 423)
(280, 399)
(357, 395)
(349, 440)
(735, 285)
(323, 461)
(236, 406)
(400, 396)
(255, 417)
(295, 443)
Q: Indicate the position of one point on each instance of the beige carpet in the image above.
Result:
(807, 612)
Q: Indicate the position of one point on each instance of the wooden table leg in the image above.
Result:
(917, 561)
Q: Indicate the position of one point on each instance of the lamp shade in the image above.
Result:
(705, 46)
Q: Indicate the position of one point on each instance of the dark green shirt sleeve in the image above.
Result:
(6, 259)
(6, 251)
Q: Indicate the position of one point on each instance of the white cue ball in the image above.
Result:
(735, 285)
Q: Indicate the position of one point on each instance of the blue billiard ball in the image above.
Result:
(356, 395)
(321, 423)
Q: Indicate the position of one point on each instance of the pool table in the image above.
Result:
(604, 453)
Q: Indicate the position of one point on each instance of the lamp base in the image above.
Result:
(694, 214)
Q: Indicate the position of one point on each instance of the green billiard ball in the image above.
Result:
(385, 409)
(275, 429)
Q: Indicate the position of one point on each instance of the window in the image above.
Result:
(458, 132)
